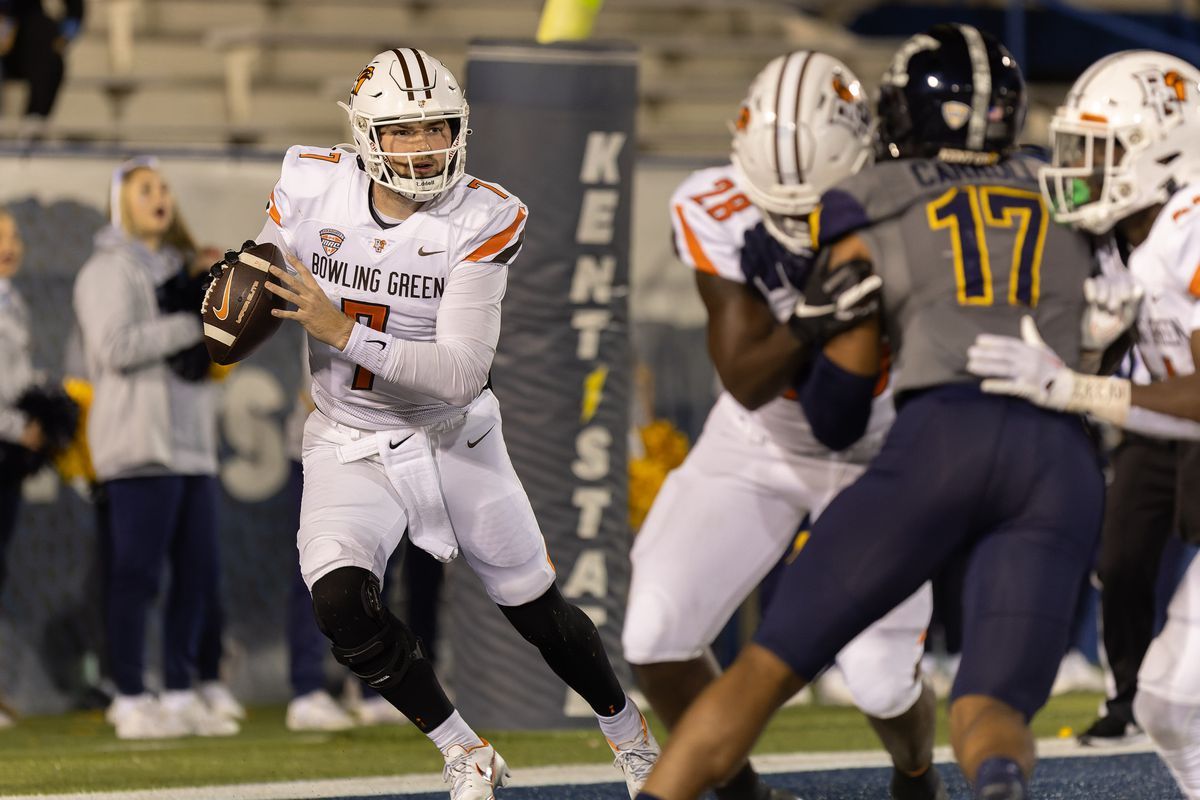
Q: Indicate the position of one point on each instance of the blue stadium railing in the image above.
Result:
(1054, 40)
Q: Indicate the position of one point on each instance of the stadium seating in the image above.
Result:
(267, 72)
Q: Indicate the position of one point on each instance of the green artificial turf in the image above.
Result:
(78, 752)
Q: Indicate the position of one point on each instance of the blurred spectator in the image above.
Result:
(17, 431)
(213, 691)
(152, 436)
(32, 45)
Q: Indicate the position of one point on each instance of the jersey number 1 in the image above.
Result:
(969, 213)
(375, 317)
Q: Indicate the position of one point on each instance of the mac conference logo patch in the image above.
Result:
(331, 240)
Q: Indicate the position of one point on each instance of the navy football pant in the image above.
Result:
(155, 521)
(307, 646)
(10, 504)
(1009, 493)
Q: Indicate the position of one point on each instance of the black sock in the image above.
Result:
(915, 787)
(420, 697)
(744, 785)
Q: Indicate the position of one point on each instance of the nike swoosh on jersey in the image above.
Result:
(394, 445)
(378, 342)
(222, 311)
(421, 251)
(480, 439)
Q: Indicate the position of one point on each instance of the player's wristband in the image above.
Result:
(368, 348)
(1106, 399)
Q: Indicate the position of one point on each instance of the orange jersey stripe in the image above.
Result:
(1194, 286)
(693, 244)
(273, 211)
(496, 243)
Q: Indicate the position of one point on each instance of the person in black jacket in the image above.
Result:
(32, 44)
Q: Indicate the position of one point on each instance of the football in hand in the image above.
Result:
(237, 307)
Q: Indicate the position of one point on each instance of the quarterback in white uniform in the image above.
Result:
(401, 261)
(757, 469)
(1127, 159)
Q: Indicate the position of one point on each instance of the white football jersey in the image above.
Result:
(711, 215)
(387, 276)
(1167, 265)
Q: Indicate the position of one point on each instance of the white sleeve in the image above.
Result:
(279, 215)
(1160, 426)
(453, 368)
(273, 233)
(1182, 264)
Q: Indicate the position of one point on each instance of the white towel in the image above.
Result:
(413, 473)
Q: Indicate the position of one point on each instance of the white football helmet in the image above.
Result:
(804, 125)
(407, 85)
(1126, 136)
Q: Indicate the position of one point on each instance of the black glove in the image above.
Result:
(180, 292)
(230, 258)
(835, 301)
(191, 363)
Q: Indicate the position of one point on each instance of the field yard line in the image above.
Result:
(579, 774)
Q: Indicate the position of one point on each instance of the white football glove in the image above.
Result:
(782, 299)
(1113, 304)
(1028, 368)
(1024, 367)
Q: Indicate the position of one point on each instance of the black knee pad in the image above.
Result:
(375, 645)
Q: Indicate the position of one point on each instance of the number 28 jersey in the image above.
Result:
(710, 216)
(388, 276)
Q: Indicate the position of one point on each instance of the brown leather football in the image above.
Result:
(237, 307)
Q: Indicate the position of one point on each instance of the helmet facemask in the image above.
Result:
(1101, 173)
(408, 87)
(1123, 140)
(382, 165)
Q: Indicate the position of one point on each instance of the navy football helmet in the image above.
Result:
(953, 92)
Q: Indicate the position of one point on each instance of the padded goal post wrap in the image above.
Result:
(555, 125)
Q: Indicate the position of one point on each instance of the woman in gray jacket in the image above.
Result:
(152, 436)
(18, 432)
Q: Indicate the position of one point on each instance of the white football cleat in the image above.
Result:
(378, 711)
(475, 773)
(195, 716)
(140, 716)
(217, 697)
(636, 759)
(1077, 674)
(317, 711)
